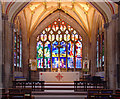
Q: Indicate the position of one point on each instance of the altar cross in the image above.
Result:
(59, 46)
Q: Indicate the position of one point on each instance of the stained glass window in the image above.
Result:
(15, 46)
(47, 55)
(78, 54)
(100, 51)
(54, 55)
(70, 55)
(17, 49)
(39, 54)
(59, 45)
(63, 55)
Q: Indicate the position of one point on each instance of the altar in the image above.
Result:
(59, 76)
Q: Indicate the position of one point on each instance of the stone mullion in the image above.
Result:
(16, 68)
(51, 55)
(98, 53)
(66, 55)
(19, 51)
(102, 50)
(43, 56)
(74, 55)
(13, 46)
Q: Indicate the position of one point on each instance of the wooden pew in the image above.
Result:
(85, 85)
(116, 95)
(117, 91)
(100, 94)
(29, 84)
(20, 93)
(15, 93)
(3, 94)
(91, 93)
(27, 92)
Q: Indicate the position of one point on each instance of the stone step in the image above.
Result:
(58, 92)
(60, 96)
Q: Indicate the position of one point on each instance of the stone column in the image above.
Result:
(111, 52)
(25, 51)
(105, 51)
(92, 52)
(32, 47)
(7, 52)
(118, 48)
(1, 55)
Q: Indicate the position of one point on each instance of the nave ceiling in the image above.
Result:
(83, 12)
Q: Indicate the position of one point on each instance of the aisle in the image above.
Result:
(59, 91)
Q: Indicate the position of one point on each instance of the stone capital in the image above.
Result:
(106, 25)
(115, 16)
(4, 16)
(12, 25)
(118, 3)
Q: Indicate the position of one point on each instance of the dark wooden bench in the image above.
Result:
(117, 91)
(15, 93)
(20, 93)
(100, 94)
(3, 94)
(85, 85)
(91, 93)
(29, 84)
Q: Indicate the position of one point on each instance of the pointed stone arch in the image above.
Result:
(50, 19)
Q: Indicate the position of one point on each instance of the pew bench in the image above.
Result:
(29, 84)
(20, 93)
(86, 85)
(3, 94)
(100, 94)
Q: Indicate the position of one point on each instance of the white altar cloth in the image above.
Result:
(59, 76)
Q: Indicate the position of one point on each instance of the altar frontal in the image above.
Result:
(59, 76)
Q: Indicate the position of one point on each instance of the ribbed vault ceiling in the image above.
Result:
(82, 12)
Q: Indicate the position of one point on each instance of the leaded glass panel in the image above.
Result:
(78, 54)
(61, 45)
(47, 55)
(39, 54)
(63, 55)
(54, 55)
(70, 55)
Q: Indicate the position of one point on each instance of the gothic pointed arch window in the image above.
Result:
(17, 47)
(59, 33)
(100, 51)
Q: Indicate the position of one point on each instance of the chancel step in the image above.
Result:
(56, 92)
